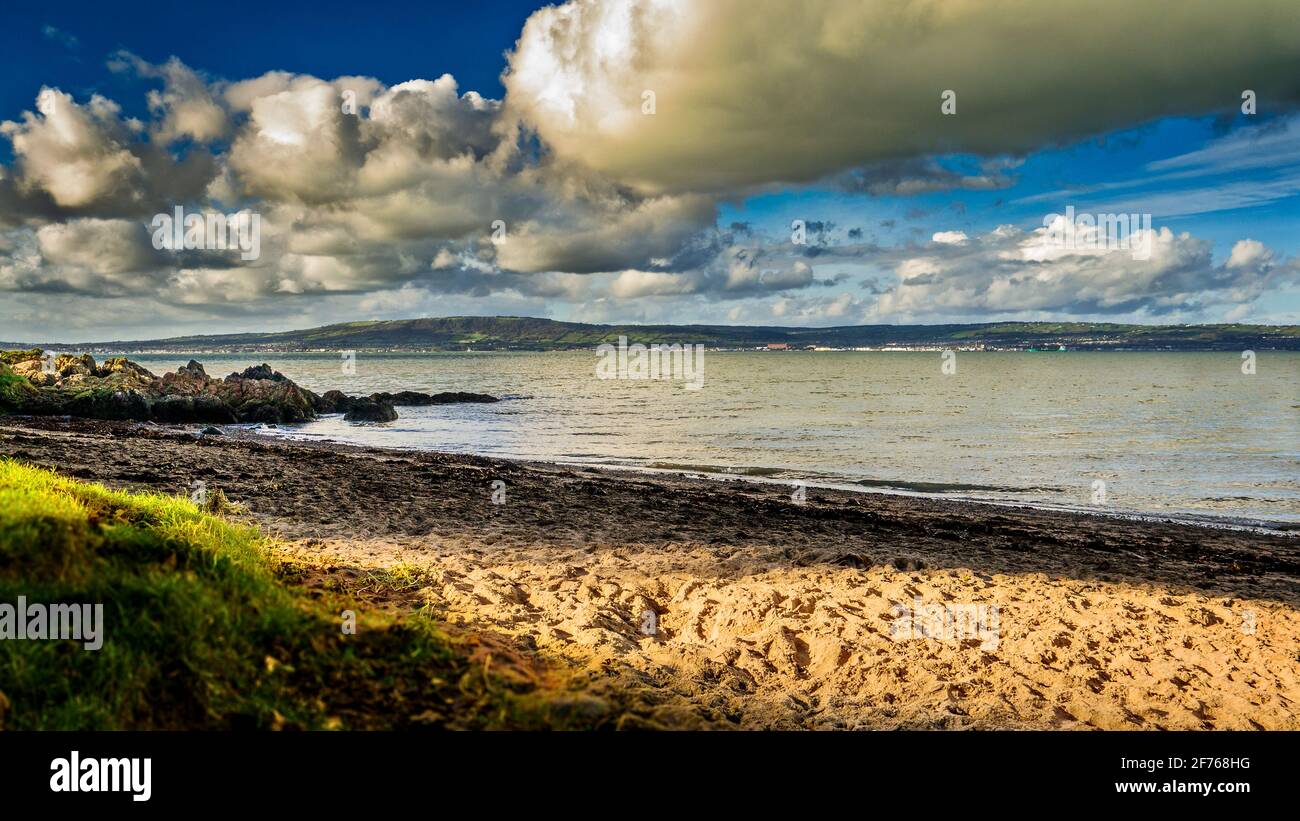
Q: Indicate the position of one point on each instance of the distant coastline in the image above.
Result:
(503, 333)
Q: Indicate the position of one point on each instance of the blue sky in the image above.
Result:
(393, 41)
(617, 216)
(1076, 174)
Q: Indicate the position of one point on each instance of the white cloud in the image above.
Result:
(85, 159)
(185, 108)
(1008, 272)
(77, 154)
(749, 93)
(368, 191)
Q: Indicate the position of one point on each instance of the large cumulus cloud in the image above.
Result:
(749, 93)
(85, 159)
(358, 187)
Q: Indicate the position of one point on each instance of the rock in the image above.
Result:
(368, 410)
(252, 403)
(339, 402)
(180, 409)
(333, 402)
(413, 398)
(189, 380)
(34, 371)
(121, 365)
(173, 409)
(260, 394)
(209, 408)
(107, 403)
(122, 389)
(69, 365)
(29, 367)
(211, 431)
(268, 413)
(12, 358)
(408, 398)
(262, 371)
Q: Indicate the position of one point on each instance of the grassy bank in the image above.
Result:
(14, 389)
(202, 630)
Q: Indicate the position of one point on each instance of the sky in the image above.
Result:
(726, 162)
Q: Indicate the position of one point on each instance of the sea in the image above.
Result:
(1182, 435)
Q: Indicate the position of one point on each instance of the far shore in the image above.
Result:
(728, 604)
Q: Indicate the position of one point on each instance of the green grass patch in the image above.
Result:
(201, 630)
(14, 389)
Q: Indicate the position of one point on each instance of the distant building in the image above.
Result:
(778, 346)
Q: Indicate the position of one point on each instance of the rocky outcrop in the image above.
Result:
(12, 358)
(258, 372)
(121, 389)
(412, 398)
(368, 410)
(118, 388)
(333, 402)
(201, 408)
(340, 402)
(262, 395)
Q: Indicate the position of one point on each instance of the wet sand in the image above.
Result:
(728, 604)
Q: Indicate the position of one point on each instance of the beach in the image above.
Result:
(733, 604)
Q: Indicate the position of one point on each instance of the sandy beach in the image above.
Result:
(730, 605)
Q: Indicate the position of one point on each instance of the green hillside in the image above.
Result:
(527, 333)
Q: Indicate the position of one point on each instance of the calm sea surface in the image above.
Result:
(1168, 433)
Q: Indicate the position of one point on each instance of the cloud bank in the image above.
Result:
(751, 93)
(598, 180)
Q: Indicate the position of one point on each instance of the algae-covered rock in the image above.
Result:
(121, 369)
(34, 371)
(15, 390)
(260, 394)
(111, 403)
(73, 385)
(368, 410)
(181, 409)
(12, 358)
(74, 365)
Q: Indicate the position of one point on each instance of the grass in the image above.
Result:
(203, 631)
(14, 389)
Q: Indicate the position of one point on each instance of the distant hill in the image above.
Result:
(531, 334)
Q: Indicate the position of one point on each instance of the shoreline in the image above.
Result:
(766, 613)
(1213, 521)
